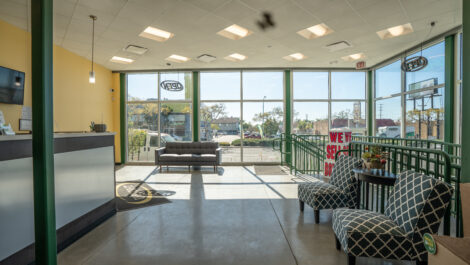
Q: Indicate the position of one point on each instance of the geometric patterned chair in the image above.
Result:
(341, 191)
(415, 206)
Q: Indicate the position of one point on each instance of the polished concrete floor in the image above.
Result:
(230, 217)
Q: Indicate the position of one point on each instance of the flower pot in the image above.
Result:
(373, 165)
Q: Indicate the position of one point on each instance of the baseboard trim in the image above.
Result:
(67, 234)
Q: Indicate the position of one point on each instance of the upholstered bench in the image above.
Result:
(189, 153)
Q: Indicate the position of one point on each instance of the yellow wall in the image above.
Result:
(76, 101)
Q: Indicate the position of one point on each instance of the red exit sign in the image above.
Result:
(361, 65)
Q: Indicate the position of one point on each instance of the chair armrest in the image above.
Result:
(158, 152)
(218, 154)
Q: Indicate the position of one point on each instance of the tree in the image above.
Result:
(209, 114)
(343, 115)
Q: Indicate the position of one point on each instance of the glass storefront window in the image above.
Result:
(263, 85)
(142, 87)
(220, 122)
(262, 122)
(220, 85)
(348, 85)
(175, 123)
(310, 118)
(433, 74)
(176, 86)
(310, 85)
(349, 115)
(388, 117)
(425, 115)
(388, 80)
(142, 123)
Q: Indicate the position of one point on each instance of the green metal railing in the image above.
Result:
(432, 162)
(307, 153)
(432, 157)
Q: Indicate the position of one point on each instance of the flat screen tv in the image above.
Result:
(11, 86)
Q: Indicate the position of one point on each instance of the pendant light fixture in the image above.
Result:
(92, 72)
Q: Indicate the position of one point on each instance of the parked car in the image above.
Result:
(394, 131)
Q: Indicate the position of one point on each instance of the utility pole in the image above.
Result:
(380, 110)
(262, 124)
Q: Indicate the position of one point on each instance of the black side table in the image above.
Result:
(381, 178)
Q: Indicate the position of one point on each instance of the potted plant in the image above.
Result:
(374, 157)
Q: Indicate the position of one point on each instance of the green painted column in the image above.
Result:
(466, 92)
(195, 106)
(43, 132)
(449, 90)
(288, 121)
(370, 103)
(122, 116)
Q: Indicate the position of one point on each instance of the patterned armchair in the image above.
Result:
(340, 192)
(416, 206)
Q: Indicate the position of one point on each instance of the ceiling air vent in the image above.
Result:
(337, 46)
(206, 58)
(135, 49)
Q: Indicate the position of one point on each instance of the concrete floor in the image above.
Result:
(232, 217)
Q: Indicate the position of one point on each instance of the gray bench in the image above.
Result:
(189, 153)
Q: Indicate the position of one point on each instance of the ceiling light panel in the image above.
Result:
(156, 34)
(353, 57)
(294, 57)
(177, 58)
(234, 32)
(117, 59)
(396, 31)
(316, 31)
(235, 57)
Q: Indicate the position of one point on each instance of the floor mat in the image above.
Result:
(138, 194)
(269, 170)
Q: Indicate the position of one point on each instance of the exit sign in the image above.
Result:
(361, 65)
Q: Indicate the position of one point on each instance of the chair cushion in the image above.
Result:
(188, 158)
(342, 175)
(321, 195)
(175, 157)
(417, 204)
(371, 234)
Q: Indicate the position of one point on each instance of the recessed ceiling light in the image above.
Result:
(316, 31)
(234, 32)
(353, 57)
(177, 58)
(117, 59)
(235, 57)
(156, 34)
(395, 31)
(294, 57)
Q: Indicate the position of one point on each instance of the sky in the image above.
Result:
(216, 86)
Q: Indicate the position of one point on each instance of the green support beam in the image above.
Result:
(122, 116)
(288, 122)
(370, 104)
(196, 106)
(449, 90)
(43, 132)
(466, 92)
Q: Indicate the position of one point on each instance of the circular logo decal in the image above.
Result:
(429, 243)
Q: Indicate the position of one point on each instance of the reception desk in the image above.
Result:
(84, 190)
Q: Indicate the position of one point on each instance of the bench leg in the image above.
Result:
(301, 205)
(317, 216)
